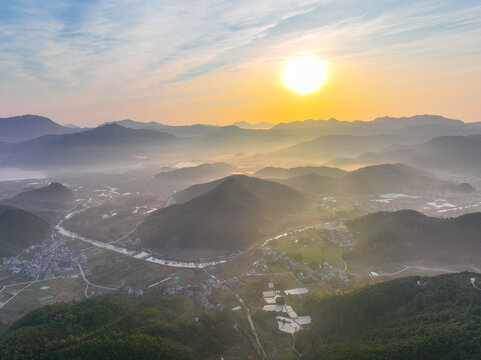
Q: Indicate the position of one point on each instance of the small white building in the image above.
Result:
(297, 291)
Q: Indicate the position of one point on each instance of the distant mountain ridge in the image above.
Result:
(386, 121)
(277, 172)
(107, 144)
(179, 179)
(260, 125)
(21, 128)
(375, 179)
(460, 154)
(177, 130)
(325, 148)
(199, 172)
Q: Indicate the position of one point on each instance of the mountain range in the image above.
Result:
(108, 144)
(453, 154)
(375, 179)
(21, 128)
(197, 173)
(34, 141)
(260, 125)
(272, 172)
(327, 147)
(177, 130)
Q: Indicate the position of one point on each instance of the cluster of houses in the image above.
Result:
(303, 272)
(337, 233)
(292, 322)
(200, 294)
(43, 260)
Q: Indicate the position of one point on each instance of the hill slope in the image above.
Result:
(200, 172)
(49, 199)
(19, 229)
(405, 319)
(119, 327)
(376, 179)
(458, 154)
(328, 147)
(386, 178)
(180, 131)
(20, 128)
(236, 212)
(283, 173)
(107, 144)
(178, 179)
(407, 236)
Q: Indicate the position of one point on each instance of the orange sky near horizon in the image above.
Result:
(218, 63)
(353, 90)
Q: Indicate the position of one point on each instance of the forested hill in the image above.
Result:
(232, 215)
(405, 319)
(409, 236)
(118, 327)
(53, 197)
(20, 229)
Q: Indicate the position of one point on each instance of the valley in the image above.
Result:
(94, 252)
(256, 243)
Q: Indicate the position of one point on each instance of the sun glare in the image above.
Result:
(304, 75)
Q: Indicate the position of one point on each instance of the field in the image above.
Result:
(310, 246)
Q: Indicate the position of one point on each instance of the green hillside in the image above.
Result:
(236, 212)
(119, 327)
(19, 229)
(409, 236)
(48, 198)
(376, 179)
(406, 319)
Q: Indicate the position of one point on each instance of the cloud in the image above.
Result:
(107, 48)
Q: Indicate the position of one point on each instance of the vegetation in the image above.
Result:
(376, 179)
(19, 229)
(53, 197)
(283, 173)
(235, 213)
(410, 318)
(119, 327)
(409, 236)
(199, 172)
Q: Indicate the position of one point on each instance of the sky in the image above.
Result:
(220, 61)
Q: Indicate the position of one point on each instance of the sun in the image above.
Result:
(304, 75)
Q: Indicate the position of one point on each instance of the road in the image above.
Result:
(182, 263)
(82, 273)
(14, 296)
(29, 283)
(260, 348)
(473, 282)
(135, 254)
(407, 267)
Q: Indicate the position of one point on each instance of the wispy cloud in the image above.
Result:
(136, 48)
